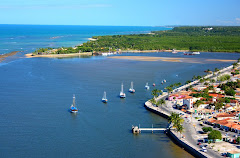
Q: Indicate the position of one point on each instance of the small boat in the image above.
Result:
(154, 84)
(104, 98)
(164, 81)
(73, 108)
(195, 53)
(131, 90)
(174, 51)
(122, 94)
(147, 86)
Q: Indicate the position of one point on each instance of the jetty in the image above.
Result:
(136, 129)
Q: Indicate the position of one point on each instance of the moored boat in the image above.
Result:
(147, 86)
(194, 53)
(73, 108)
(104, 98)
(174, 51)
(154, 84)
(131, 89)
(122, 94)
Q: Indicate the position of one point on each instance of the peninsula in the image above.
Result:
(189, 38)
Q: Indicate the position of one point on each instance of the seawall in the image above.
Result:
(148, 105)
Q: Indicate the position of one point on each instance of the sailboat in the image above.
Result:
(73, 108)
(147, 86)
(131, 90)
(104, 99)
(122, 94)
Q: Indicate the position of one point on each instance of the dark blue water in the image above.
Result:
(36, 93)
(29, 37)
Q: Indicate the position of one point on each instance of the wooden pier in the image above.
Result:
(136, 129)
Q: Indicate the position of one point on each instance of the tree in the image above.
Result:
(155, 93)
(180, 128)
(154, 101)
(188, 81)
(175, 119)
(215, 135)
(161, 102)
(207, 129)
(230, 92)
(198, 102)
(169, 89)
(238, 140)
(201, 80)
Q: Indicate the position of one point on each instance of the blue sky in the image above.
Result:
(120, 12)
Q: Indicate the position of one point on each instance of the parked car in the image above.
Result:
(199, 143)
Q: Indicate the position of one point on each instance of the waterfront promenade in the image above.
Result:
(189, 141)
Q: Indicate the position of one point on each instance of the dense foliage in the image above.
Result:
(219, 39)
(215, 135)
(210, 39)
(207, 129)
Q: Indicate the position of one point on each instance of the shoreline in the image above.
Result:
(3, 56)
(182, 142)
(30, 55)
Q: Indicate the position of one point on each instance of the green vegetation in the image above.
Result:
(177, 122)
(215, 135)
(219, 39)
(224, 78)
(207, 129)
(230, 87)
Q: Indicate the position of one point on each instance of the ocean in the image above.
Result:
(29, 37)
(36, 93)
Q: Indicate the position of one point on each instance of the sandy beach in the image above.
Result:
(167, 59)
(30, 55)
(2, 57)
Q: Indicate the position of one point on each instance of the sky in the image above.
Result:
(121, 12)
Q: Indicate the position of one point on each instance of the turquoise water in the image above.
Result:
(29, 37)
(36, 93)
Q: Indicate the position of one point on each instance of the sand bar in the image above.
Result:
(170, 59)
(30, 55)
(3, 56)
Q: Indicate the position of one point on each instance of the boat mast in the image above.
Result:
(131, 85)
(122, 88)
(73, 100)
(104, 95)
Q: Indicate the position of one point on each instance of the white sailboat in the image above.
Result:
(122, 94)
(131, 90)
(73, 108)
(147, 86)
(104, 98)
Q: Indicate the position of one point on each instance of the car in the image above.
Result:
(199, 143)
(204, 150)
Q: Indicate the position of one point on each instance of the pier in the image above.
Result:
(136, 129)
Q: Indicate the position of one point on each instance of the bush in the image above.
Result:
(207, 129)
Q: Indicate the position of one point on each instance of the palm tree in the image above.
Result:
(180, 129)
(154, 101)
(216, 70)
(188, 81)
(169, 89)
(212, 81)
(155, 93)
(194, 77)
(161, 102)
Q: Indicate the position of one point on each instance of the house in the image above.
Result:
(188, 100)
(233, 154)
